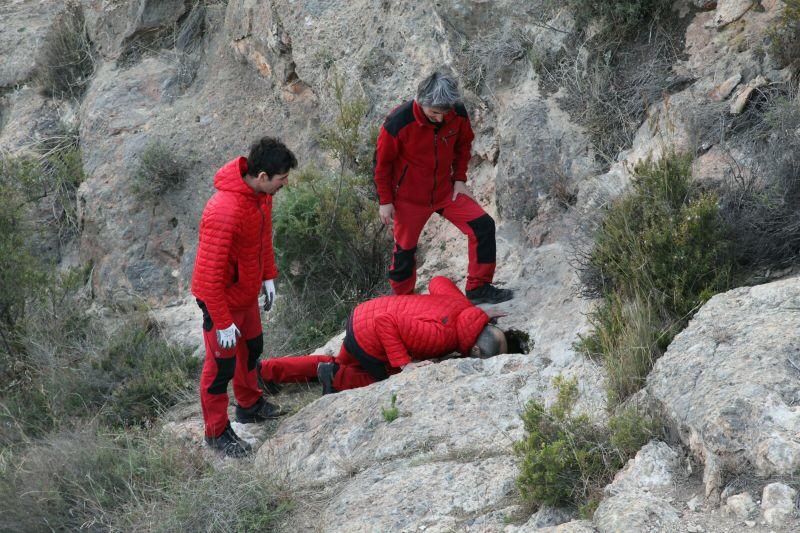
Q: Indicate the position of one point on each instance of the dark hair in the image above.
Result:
(271, 156)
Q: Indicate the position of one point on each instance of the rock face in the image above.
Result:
(638, 498)
(25, 23)
(729, 383)
(446, 461)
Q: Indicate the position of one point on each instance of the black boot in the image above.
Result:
(261, 411)
(325, 374)
(229, 443)
(489, 294)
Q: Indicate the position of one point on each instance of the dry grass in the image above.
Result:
(65, 62)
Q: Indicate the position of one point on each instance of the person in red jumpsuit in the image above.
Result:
(421, 164)
(392, 333)
(235, 261)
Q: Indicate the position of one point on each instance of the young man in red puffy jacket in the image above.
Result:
(393, 333)
(235, 262)
(421, 169)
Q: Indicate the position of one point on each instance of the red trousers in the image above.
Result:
(467, 216)
(237, 363)
(303, 368)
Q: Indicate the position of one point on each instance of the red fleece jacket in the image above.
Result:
(417, 161)
(234, 253)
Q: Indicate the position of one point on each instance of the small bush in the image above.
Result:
(785, 35)
(330, 245)
(567, 459)
(332, 249)
(659, 253)
(65, 62)
(159, 171)
(760, 203)
(391, 413)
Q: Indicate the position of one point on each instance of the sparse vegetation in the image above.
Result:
(65, 62)
(391, 413)
(566, 458)
(617, 63)
(659, 253)
(760, 202)
(333, 251)
(159, 171)
(785, 35)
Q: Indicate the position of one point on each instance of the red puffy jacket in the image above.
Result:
(234, 253)
(419, 326)
(418, 161)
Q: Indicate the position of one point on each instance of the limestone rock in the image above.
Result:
(638, 498)
(724, 89)
(112, 24)
(654, 468)
(743, 95)
(25, 24)
(727, 383)
(635, 512)
(440, 449)
(741, 505)
(778, 503)
(729, 11)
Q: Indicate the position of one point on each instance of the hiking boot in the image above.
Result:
(325, 374)
(489, 294)
(261, 411)
(229, 443)
(267, 387)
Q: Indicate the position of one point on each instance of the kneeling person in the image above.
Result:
(390, 334)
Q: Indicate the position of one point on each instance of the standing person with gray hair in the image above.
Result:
(421, 169)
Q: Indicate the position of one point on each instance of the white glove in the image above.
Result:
(267, 297)
(226, 338)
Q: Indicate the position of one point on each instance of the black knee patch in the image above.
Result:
(225, 368)
(440, 212)
(255, 347)
(483, 227)
(208, 324)
(403, 265)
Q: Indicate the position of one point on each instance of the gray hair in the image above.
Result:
(440, 90)
(488, 342)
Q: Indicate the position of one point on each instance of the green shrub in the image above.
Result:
(65, 64)
(566, 460)
(158, 172)
(785, 35)
(660, 252)
(391, 413)
(330, 245)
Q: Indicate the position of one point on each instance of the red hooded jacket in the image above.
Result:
(418, 161)
(234, 253)
(419, 326)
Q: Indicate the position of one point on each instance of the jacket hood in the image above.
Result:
(469, 324)
(230, 177)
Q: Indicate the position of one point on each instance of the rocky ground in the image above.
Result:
(235, 70)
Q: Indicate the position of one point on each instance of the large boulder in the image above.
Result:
(729, 383)
(445, 461)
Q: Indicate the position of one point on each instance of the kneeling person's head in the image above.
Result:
(491, 341)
